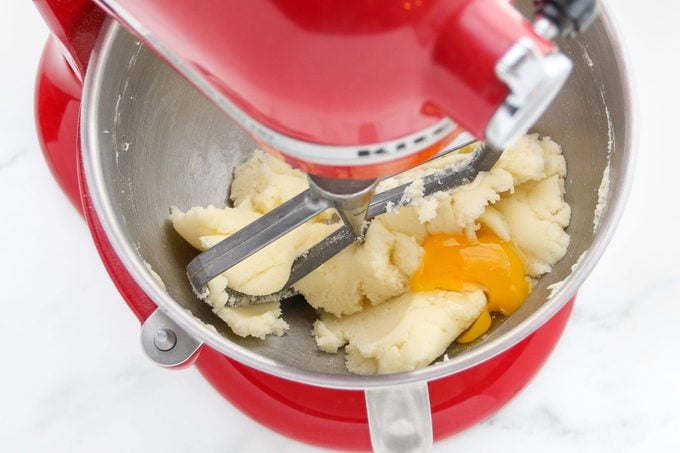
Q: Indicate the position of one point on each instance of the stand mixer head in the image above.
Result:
(362, 90)
(353, 92)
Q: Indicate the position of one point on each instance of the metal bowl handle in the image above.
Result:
(400, 418)
(166, 343)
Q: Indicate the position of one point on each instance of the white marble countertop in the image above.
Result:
(75, 378)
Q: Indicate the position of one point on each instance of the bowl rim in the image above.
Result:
(96, 185)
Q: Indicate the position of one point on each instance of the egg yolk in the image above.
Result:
(454, 263)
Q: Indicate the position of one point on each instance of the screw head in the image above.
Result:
(164, 339)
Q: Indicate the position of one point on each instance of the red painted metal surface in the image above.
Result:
(331, 418)
(75, 24)
(337, 418)
(343, 73)
(57, 109)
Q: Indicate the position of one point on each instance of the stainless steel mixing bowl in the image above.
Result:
(151, 141)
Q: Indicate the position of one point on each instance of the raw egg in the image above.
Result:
(453, 262)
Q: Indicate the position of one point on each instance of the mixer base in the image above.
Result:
(337, 418)
(325, 417)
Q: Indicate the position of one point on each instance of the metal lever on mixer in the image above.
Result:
(483, 159)
(564, 17)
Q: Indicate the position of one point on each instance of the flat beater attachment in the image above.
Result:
(354, 201)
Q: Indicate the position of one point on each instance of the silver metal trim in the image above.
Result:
(175, 349)
(135, 265)
(400, 418)
(546, 28)
(534, 81)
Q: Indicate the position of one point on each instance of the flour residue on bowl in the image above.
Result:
(555, 287)
(586, 55)
(154, 275)
(602, 196)
(603, 189)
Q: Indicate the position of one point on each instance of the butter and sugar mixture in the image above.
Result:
(426, 274)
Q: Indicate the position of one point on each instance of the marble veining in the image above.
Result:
(12, 159)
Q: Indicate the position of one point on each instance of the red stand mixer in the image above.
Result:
(347, 92)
